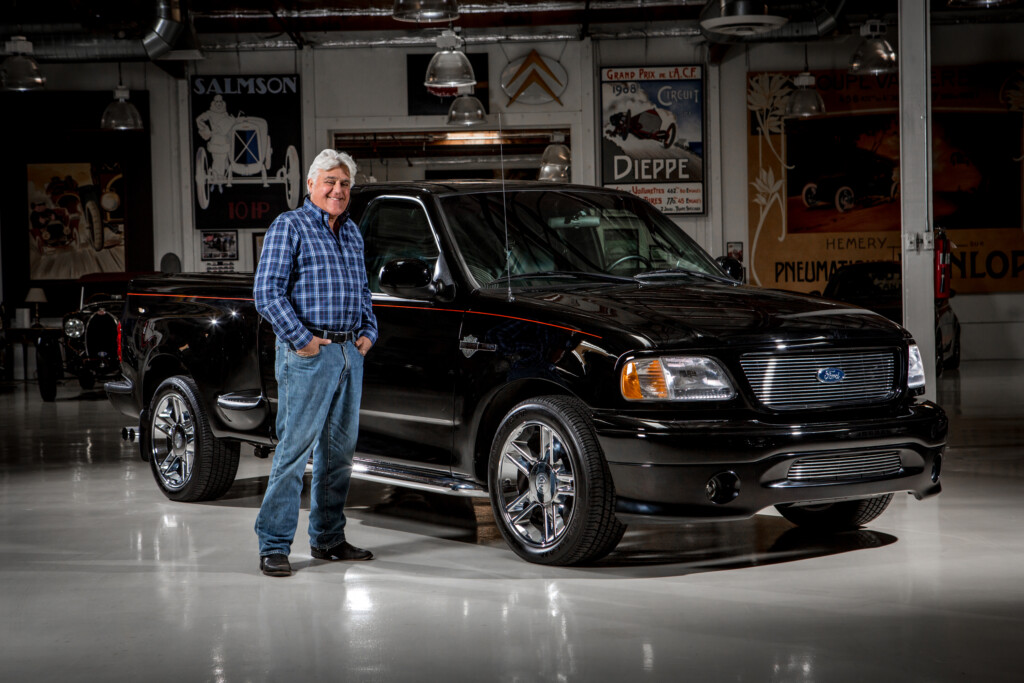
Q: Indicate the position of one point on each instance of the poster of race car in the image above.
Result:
(246, 133)
(75, 220)
(652, 134)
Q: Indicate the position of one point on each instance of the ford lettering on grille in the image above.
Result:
(831, 375)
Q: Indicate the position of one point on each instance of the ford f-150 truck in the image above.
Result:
(566, 351)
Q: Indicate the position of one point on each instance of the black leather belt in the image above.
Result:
(334, 337)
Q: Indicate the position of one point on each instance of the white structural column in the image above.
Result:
(916, 180)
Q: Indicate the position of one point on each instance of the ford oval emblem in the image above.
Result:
(831, 375)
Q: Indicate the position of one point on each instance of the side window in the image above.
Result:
(395, 229)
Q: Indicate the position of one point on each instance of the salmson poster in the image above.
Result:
(652, 137)
(246, 133)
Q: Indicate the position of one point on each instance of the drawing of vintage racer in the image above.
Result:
(238, 150)
(66, 212)
(646, 125)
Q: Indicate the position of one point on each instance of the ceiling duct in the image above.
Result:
(803, 21)
(68, 43)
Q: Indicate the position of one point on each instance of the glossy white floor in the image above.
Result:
(103, 579)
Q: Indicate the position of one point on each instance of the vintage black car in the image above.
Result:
(567, 351)
(845, 177)
(88, 347)
(877, 286)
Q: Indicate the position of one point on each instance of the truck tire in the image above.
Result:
(841, 516)
(550, 488)
(188, 463)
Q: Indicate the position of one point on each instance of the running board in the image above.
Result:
(371, 470)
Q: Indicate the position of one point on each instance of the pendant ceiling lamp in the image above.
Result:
(874, 55)
(449, 70)
(466, 110)
(121, 114)
(19, 70)
(555, 162)
(979, 3)
(425, 11)
(805, 100)
(739, 17)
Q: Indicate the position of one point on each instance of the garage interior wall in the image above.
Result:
(363, 89)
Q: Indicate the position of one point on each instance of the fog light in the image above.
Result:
(936, 468)
(722, 488)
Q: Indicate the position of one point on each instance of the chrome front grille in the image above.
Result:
(791, 381)
(845, 467)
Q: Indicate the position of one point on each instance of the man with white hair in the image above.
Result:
(311, 287)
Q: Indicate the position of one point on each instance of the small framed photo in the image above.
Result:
(734, 250)
(220, 245)
(257, 248)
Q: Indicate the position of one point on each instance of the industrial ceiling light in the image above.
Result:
(805, 100)
(739, 17)
(874, 55)
(121, 114)
(19, 71)
(425, 11)
(466, 110)
(555, 162)
(449, 69)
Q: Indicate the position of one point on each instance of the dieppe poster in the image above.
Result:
(652, 135)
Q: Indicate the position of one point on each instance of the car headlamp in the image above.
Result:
(74, 327)
(675, 378)
(915, 373)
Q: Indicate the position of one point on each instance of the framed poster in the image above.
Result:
(652, 134)
(220, 245)
(246, 133)
(75, 219)
(825, 190)
(257, 248)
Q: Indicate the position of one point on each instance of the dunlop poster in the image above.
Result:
(824, 190)
(652, 141)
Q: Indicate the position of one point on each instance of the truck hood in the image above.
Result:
(669, 313)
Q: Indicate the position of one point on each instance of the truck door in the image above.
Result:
(408, 379)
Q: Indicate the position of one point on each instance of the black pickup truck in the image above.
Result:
(567, 351)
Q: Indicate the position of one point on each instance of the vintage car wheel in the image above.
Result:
(49, 369)
(810, 195)
(188, 463)
(844, 199)
(202, 179)
(550, 488)
(670, 135)
(839, 516)
(86, 381)
(94, 224)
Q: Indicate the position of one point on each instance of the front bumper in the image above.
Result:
(663, 468)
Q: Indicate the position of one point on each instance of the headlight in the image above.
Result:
(675, 378)
(915, 374)
(74, 327)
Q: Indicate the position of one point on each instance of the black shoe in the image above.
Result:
(344, 551)
(275, 565)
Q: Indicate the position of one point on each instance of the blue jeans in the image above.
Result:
(317, 411)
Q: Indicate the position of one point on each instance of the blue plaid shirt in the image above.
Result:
(308, 277)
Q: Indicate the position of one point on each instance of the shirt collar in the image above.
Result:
(314, 210)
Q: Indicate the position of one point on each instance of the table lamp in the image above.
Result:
(36, 296)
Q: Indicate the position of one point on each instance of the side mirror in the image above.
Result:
(732, 267)
(410, 279)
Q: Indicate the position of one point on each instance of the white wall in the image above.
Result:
(364, 89)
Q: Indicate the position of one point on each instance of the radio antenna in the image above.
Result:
(504, 208)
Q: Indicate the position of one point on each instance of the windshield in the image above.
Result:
(567, 233)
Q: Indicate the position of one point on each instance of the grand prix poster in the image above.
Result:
(652, 135)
